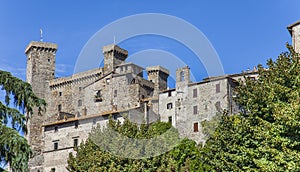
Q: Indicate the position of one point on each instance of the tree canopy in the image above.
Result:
(99, 153)
(18, 100)
(267, 136)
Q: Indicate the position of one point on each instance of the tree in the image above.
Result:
(106, 151)
(267, 136)
(14, 148)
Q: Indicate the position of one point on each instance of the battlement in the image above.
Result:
(157, 68)
(78, 77)
(112, 47)
(45, 46)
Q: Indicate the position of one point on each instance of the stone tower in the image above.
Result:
(182, 78)
(113, 55)
(294, 30)
(158, 75)
(40, 70)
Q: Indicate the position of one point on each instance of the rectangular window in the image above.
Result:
(196, 129)
(217, 88)
(169, 94)
(75, 143)
(195, 110)
(170, 119)
(76, 124)
(79, 103)
(60, 93)
(56, 129)
(169, 106)
(195, 93)
(59, 108)
(115, 93)
(55, 145)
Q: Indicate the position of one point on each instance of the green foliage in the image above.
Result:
(14, 149)
(267, 136)
(128, 147)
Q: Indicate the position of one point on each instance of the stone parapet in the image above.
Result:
(41, 45)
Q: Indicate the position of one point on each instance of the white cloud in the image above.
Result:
(19, 72)
(63, 69)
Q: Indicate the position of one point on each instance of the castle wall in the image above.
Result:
(64, 134)
(296, 37)
(194, 103)
(81, 101)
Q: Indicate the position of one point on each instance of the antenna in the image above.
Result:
(41, 35)
(114, 39)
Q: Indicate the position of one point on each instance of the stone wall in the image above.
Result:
(40, 70)
(294, 30)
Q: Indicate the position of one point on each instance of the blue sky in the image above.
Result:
(243, 33)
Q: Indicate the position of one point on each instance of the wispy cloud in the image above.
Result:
(63, 70)
(19, 72)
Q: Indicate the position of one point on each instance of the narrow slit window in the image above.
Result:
(196, 129)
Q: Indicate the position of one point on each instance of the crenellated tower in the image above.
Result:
(158, 75)
(113, 55)
(40, 70)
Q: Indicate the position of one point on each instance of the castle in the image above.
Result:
(77, 103)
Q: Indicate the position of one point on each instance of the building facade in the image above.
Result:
(77, 103)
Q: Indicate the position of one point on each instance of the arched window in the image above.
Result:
(181, 76)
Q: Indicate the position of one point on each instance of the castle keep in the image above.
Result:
(77, 103)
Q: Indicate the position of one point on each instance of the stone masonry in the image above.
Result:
(77, 103)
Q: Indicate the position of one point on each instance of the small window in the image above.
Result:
(79, 103)
(169, 106)
(49, 60)
(60, 93)
(205, 107)
(59, 108)
(195, 109)
(217, 88)
(98, 93)
(56, 129)
(52, 170)
(170, 119)
(75, 144)
(108, 80)
(55, 145)
(115, 93)
(76, 124)
(195, 93)
(181, 76)
(80, 88)
(196, 129)
(169, 94)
